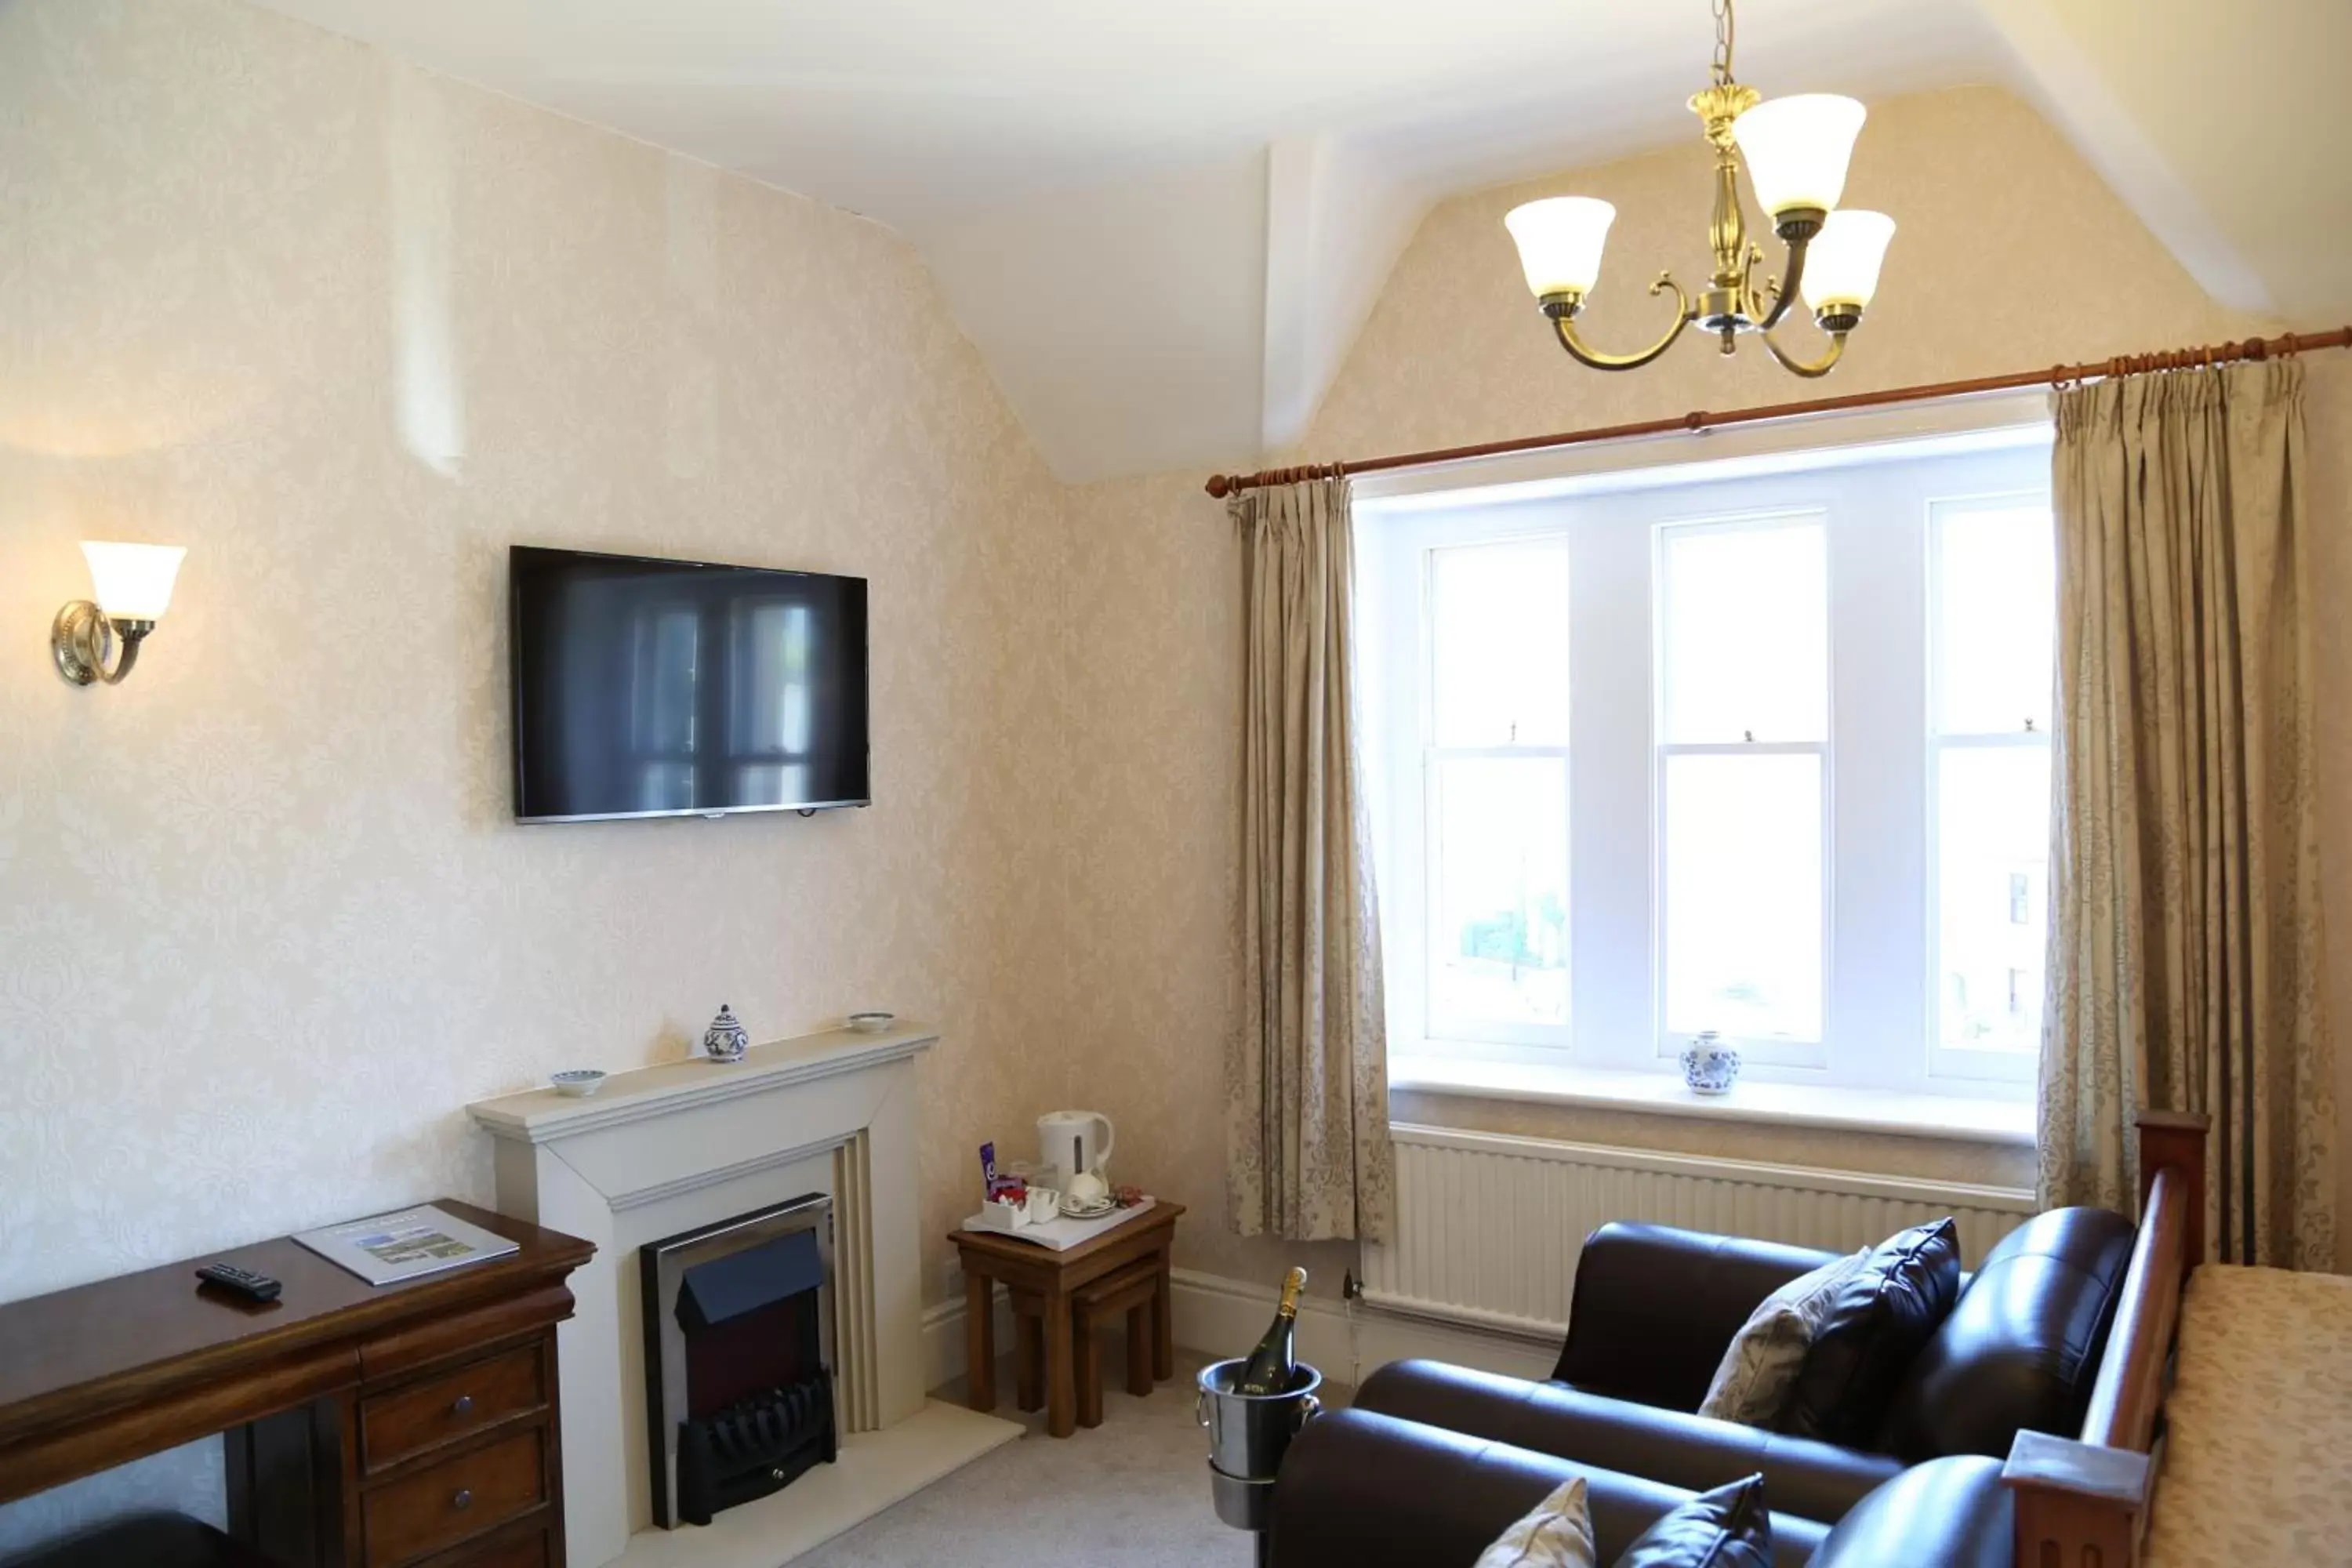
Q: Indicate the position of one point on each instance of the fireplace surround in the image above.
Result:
(738, 1319)
(668, 1149)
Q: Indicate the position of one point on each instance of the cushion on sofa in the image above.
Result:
(1726, 1527)
(1886, 1312)
(1752, 1381)
(2021, 1348)
(1556, 1533)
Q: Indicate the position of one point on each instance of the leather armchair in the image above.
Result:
(1654, 1309)
(1359, 1488)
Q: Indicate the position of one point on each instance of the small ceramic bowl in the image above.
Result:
(871, 1023)
(577, 1082)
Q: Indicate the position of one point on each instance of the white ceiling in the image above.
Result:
(1161, 225)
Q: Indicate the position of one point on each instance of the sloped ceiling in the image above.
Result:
(1162, 226)
(2220, 124)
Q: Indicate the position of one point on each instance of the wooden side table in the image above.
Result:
(1026, 1267)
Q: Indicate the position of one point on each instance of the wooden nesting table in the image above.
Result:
(1045, 1285)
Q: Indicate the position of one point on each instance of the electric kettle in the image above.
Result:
(1076, 1143)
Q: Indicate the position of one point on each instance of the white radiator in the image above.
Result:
(1489, 1227)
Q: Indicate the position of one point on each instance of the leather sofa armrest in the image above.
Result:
(1952, 1512)
(1654, 1308)
(1359, 1488)
(1814, 1480)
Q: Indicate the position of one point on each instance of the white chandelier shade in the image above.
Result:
(1560, 240)
(1841, 266)
(1797, 149)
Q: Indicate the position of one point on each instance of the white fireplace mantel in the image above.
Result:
(666, 1148)
(543, 1116)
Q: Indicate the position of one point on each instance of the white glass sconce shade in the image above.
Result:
(134, 581)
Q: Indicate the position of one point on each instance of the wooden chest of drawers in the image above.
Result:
(462, 1460)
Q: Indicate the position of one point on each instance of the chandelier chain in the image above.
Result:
(1725, 27)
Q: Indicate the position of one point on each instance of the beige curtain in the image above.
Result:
(2186, 943)
(1307, 1079)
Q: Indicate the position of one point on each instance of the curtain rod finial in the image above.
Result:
(1219, 486)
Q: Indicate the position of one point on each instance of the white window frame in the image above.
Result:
(1878, 1032)
(1776, 1051)
(1962, 1063)
(1433, 756)
(1407, 891)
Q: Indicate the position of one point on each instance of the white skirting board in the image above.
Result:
(1217, 1317)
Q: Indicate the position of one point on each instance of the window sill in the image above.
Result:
(1951, 1117)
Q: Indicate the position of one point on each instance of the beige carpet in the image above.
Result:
(1131, 1493)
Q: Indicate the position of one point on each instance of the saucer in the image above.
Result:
(1072, 1210)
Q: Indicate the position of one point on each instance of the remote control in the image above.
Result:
(243, 1281)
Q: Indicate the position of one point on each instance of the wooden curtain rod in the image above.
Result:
(1223, 485)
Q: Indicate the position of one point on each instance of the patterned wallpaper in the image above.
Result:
(346, 331)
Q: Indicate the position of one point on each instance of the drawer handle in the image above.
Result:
(464, 1499)
(464, 1406)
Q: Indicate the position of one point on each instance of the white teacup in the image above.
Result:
(1043, 1204)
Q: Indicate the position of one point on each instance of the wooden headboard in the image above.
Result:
(2083, 1502)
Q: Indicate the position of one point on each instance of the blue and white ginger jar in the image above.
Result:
(725, 1039)
(1709, 1065)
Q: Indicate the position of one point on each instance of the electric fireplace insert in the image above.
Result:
(738, 1357)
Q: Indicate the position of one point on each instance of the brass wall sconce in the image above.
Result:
(100, 641)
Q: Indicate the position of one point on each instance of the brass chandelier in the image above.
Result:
(1797, 149)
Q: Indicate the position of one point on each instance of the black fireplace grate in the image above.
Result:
(754, 1446)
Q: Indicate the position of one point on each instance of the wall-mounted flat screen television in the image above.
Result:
(648, 688)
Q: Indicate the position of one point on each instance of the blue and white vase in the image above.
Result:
(725, 1040)
(1709, 1065)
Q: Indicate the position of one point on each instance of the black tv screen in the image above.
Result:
(648, 688)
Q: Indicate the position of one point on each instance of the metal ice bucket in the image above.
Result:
(1247, 1435)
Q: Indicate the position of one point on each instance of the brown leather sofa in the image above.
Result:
(1359, 1488)
(1364, 1491)
(1654, 1309)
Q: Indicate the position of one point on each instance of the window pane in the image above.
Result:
(1745, 634)
(1499, 623)
(1498, 930)
(1743, 890)
(1993, 895)
(1995, 600)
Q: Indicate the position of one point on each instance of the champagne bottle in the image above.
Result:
(1275, 1363)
